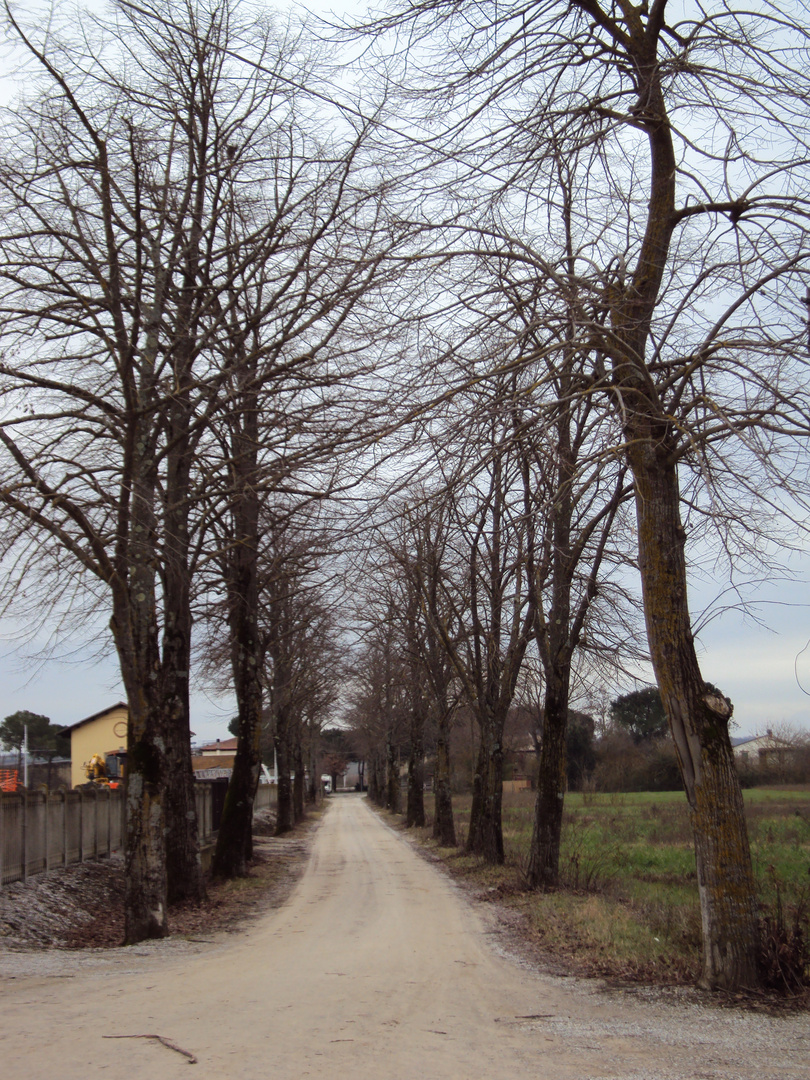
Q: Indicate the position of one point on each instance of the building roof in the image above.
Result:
(768, 741)
(95, 716)
(221, 746)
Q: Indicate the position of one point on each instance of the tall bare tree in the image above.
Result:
(689, 212)
(417, 554)
(493, 594)
(123, 184)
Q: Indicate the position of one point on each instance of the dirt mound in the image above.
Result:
(82, 906)
(65, 907)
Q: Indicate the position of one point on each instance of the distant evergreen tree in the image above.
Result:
(43, 736)
(640, 713)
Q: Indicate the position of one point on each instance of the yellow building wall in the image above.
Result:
(106, 733)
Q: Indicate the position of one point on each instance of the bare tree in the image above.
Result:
(145, 192)
(418, 551)
(691, 135)
(493, 595)
(111, 188)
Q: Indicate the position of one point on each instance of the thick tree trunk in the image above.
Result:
(699, 724)
(485, 838)
(444, 829)
(135, 633)
(556, 649)
(184, 875)
(183, 865)
(375, 785)
(234, 848)
(544, 855)
(145, 892)
(314, 785)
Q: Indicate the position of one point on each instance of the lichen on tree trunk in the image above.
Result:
(699, 724)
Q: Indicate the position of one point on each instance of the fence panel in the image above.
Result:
(89, 839)
(202, 798)
(11, 822)
(266, 796)
(40, 831)
(73, 827)
(35, 822)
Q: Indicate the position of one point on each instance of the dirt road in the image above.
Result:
(376, 966)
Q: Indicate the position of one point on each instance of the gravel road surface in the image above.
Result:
(376, 966)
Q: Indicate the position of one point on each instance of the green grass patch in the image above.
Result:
(628, 901)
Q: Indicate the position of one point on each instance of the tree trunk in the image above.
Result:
(183, 865)
(298, 779)
(284, 811)
(415, 808)
(699, 725)
(544, 854)
(699, 721)
(184, 875)
(314, 778)
(443, 824)
(374, 781)
(234, 848)
(393, 797)
(145, 902)
(485, 838)
(135, 631)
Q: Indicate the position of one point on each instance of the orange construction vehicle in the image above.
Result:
(99, 772)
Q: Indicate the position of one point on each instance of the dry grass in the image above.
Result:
(627, 907)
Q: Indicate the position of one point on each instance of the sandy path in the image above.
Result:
(375, 966)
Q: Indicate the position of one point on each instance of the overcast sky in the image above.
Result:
(765, 671)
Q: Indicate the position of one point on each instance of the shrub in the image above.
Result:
(784, 957)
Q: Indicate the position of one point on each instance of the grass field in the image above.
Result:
(628, 904)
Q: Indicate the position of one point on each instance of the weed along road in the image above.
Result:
(376, 965)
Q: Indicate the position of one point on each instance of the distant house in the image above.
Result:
(214, 759)
(103, 733)
(766, 751)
